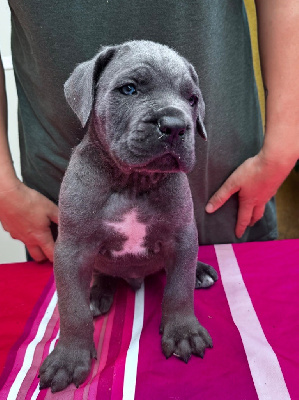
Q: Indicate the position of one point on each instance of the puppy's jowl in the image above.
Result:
(126, 209)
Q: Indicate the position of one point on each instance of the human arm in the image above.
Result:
(259, 177)
(24, 213)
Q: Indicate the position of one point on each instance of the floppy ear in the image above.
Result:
(201, 130)
(79, 89)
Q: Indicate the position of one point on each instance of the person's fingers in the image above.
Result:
(47, 245)
(222, 195)
(53, 213)
(257, 214)
(36, 253)
(244, 217)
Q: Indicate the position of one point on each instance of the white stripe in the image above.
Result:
(7, 63)
(264, 366)
(133, 350)
(36, 393)
(51, 348)
(53, 342)
(31, 349)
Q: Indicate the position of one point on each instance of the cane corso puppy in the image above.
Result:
(125, 204)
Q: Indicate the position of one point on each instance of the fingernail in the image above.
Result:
(209, 208)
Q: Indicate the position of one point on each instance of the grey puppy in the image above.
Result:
(125, 204)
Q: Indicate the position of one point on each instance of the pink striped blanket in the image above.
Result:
(251, 313)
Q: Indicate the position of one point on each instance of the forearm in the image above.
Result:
(8, 179)
(24, 213)
(278, 28)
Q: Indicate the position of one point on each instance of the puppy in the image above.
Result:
(126, 209)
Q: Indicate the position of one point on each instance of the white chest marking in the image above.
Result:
(135, 233)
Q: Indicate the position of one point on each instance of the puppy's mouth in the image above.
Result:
(167, 161)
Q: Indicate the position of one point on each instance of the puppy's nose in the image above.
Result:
(172, 126)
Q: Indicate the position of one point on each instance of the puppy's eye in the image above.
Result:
(128, 90)
(193, 100)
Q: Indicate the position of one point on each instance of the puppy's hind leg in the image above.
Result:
(102, 293)
(206, 275)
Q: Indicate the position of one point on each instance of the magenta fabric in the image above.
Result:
(271, 275)
(130, 363)
(222, 374)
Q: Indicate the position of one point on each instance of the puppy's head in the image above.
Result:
(145, 103)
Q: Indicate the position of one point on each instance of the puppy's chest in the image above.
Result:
(130, 233)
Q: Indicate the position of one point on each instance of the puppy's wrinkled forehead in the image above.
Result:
(146, 61)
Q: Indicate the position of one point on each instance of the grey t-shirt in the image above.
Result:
(49, 38)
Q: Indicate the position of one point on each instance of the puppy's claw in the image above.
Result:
(186, 358)
(184, 350)
(168, 347)
(94, 354)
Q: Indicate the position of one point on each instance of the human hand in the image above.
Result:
(27, 215)
(256, 181)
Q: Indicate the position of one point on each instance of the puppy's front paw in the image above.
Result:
(206, 275)
(64, 366)
(184, 336)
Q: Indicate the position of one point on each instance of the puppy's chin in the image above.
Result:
(166, 163)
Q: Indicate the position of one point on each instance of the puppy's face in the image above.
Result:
(147, 108)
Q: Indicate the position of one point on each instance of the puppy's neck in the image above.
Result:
(137, 182)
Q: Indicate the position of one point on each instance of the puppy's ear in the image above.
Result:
(201, 130)
(79, 89)
(200, 127)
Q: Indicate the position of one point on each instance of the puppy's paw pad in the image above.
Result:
(206, 275)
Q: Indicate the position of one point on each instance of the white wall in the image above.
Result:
(10, 250)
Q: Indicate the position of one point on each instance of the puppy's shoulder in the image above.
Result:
(85, 180)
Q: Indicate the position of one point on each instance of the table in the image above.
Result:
(251, 313)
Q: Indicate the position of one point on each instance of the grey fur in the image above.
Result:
(135, 156)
